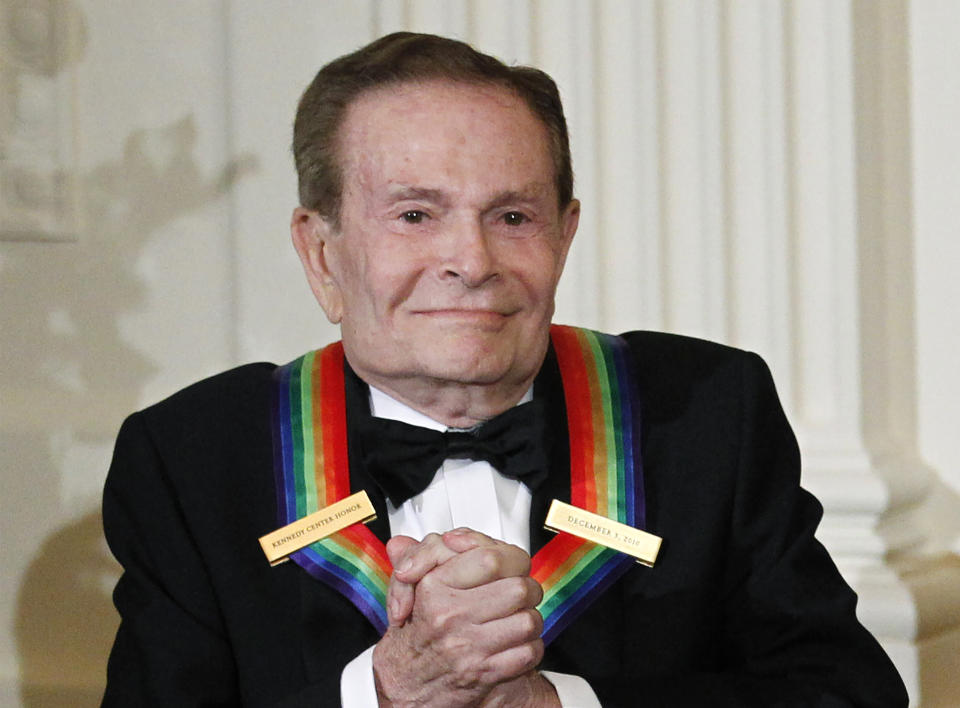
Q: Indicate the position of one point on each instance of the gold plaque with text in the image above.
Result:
(279, 544)
(592, 527)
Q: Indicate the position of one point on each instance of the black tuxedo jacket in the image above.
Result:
(743, 608)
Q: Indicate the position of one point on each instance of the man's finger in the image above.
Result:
(411, 560)
(484, 564)
(464, 539)
(399, 546)
(469, 558)
(516, 660)
(506, 597)
(400, 595)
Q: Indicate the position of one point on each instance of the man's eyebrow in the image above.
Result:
(400, 192)
(527, 193)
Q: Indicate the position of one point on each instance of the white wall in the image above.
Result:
(935, 83)
(778, 175)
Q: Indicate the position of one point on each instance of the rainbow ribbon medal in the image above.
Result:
(312, 472)
(606, 478)
(606, 475)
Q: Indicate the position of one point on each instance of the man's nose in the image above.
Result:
(468, 254)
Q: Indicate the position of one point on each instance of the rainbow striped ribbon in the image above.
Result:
(310, 461)
(605, 475)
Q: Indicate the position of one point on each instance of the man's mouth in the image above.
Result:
(481, 316)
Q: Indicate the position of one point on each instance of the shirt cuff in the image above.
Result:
(357, 686)
(573, 691)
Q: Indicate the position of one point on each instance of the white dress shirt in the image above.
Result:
(466, 493)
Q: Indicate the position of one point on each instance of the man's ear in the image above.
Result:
(569, 220)
(312, 236)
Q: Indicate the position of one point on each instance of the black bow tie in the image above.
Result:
(402, 459)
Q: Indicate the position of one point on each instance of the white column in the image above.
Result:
(564, 45)
(826, 366)
(755, 185)
(691, 151)
(838, 279)
(628, 167)
(503, 28)
(752, 173)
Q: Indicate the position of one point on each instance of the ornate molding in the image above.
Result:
(38, 172)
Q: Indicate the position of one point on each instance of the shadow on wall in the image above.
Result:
(78, 378)
(65, 622)
(68, 379)
(941, 510)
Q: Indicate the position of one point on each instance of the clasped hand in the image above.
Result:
(464, 629)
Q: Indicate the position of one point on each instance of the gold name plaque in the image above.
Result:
(279, 544)
(592, 527)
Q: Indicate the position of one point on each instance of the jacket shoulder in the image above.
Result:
(674, 358)
(682, 350)
(227, 402)
(684, 376)
(238, 381)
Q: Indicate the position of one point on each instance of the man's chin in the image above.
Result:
(458, 356)
(477, 357)
(467, 371)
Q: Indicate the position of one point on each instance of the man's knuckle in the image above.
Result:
(456, 647)
(521, 658)
(439, 623)
(537, 620)
(468, 674)
(430, 586)
(532, 623)
(518, 556)
(431, 539)
(532, 653)
(488, 561)
(428, 582)
(518, 592)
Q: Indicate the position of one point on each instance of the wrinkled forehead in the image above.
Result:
(435, 91)
(429, 126)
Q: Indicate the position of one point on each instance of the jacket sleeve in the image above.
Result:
(171, 648)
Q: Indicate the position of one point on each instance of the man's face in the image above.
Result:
(451, 242)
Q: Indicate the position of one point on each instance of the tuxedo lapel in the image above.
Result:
(332, 630)
(557, 485)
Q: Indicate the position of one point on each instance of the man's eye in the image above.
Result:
(414, 216)
(514, 218)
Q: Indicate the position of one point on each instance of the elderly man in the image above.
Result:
(436, 213)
